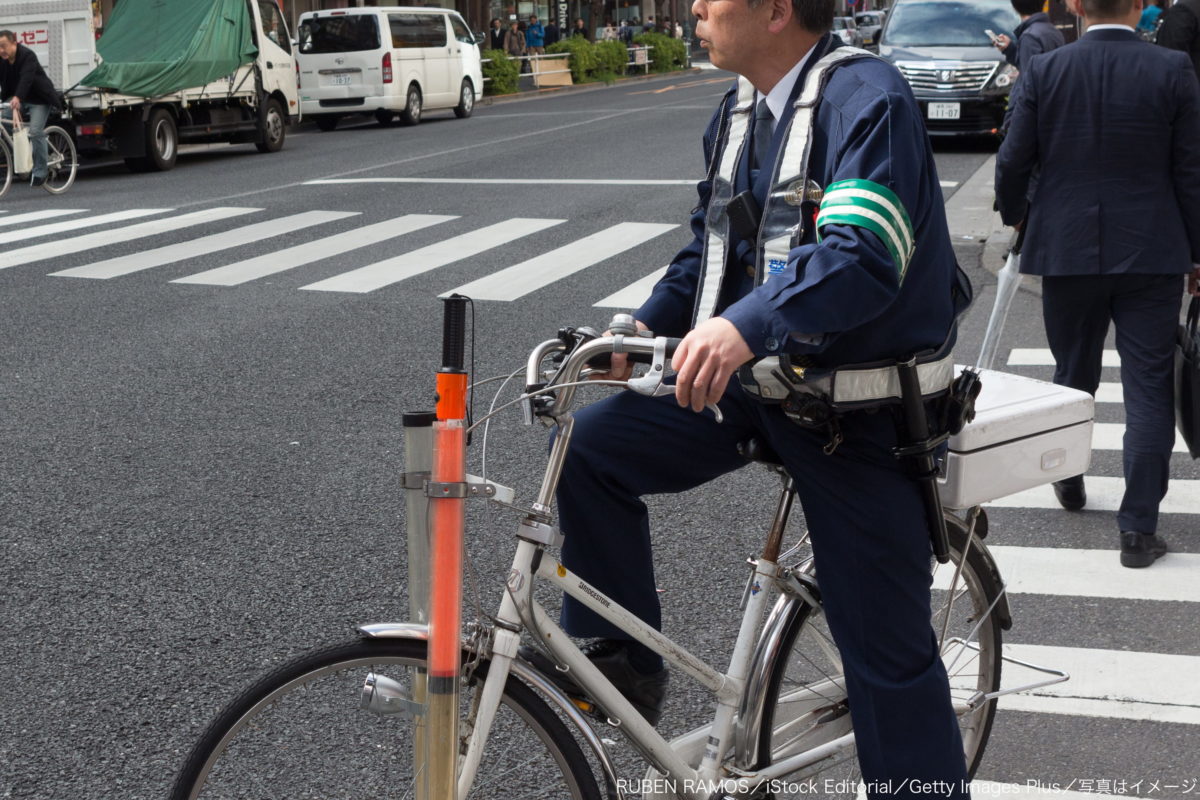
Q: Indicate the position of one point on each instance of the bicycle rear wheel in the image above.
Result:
(807, 706)
(6, 177)
(301, 732)
(61, 160)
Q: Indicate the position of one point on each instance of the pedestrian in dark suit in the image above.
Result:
(1035, 35)
(1180, 30)
(1113, 123)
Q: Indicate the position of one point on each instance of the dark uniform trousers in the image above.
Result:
(868, 533)
(1145, 310)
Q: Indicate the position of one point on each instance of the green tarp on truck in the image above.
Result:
(155, 47)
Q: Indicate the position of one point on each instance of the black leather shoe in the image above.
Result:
(1070, 493)
(37, 182)
(1141, 549)
(647, 693)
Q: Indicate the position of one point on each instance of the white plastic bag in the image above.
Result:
(22, 147)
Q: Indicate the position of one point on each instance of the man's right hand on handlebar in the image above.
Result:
(619, 369)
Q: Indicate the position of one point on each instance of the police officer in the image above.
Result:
(847, 264)
(26, 90)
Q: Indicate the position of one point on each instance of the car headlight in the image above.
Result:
(1003, 80)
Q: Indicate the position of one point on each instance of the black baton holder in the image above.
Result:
(919, 451)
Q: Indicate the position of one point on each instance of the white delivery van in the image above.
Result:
(386, 61)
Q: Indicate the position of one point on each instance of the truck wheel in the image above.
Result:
(412, 106)
(162, 141)
(466, 100)
(274, 128)
(327, 122)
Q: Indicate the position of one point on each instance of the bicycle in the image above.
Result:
(350, 719)
(62, 161)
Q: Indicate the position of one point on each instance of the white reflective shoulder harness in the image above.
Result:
(860, 203)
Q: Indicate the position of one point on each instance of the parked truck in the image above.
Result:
(165, 72)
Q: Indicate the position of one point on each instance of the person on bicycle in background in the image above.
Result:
(26, 89)
(875, 281)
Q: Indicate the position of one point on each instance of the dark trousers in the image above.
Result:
(1145, 311)
(868, 533)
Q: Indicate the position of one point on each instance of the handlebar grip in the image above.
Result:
(604, 360)
(454, 333)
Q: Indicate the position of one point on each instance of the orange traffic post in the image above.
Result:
(447, 491)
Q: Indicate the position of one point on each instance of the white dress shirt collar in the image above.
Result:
(1109, 27)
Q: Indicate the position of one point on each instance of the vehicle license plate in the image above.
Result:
(944, 110)
(344, 80)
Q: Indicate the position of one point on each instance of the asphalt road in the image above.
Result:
(200, 480)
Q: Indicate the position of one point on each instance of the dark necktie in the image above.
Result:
(762, 134)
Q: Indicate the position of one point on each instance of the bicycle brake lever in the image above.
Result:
(651, 384)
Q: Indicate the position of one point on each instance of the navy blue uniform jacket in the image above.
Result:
(1114, 123)
(841, 300)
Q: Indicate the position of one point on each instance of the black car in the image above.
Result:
(942, 47)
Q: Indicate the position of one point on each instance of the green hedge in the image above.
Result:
(668, 53)
(505, 75)
(611, 58)
(583, 56)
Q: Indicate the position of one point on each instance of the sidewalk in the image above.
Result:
(530, 94)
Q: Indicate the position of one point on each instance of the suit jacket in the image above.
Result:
(1114, 124)
(25, 79)
(840, 300)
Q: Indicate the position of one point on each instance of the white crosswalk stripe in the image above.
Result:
(310, 252)
(1110, 393)
(529, 276)
(634, 294)
(79, 244)
(34, 216)
(385, 273)
(54, 228)
(1104, 494)
(194, 248)
(1042, 357)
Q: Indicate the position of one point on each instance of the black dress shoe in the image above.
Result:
(647, 693)
(37, 182)
(1070, 493)
(1141, 549)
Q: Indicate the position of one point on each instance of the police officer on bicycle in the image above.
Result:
(25, 89)
(820, 242)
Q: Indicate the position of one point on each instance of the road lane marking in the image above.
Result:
(283, 260)
(1071, 572)
(513, 181)
(1104, 494)
(1042, 357)
(1110, 436)
(633, 295)
(529, 276)
(1114, 684)
(54, 228)
(34, 216)
(393, 270)
(78, 244)
(197, 248)
(1110, 393)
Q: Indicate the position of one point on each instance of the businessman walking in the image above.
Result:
(1113, 124)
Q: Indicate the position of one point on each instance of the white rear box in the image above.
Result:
(1025, 433)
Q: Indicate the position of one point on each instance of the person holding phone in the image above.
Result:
(1035, 35)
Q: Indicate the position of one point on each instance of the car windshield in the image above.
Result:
(338, 34)
(867, 19)
(839, 23)
(950, 23)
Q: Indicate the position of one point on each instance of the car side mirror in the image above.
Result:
(479, 37)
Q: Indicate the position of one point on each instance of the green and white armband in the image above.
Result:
(875, 207)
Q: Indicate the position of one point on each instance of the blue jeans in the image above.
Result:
(35, 116)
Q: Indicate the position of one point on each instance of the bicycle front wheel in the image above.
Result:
(6, 176)
(301, 732)
(61, 160)
(807, 704)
